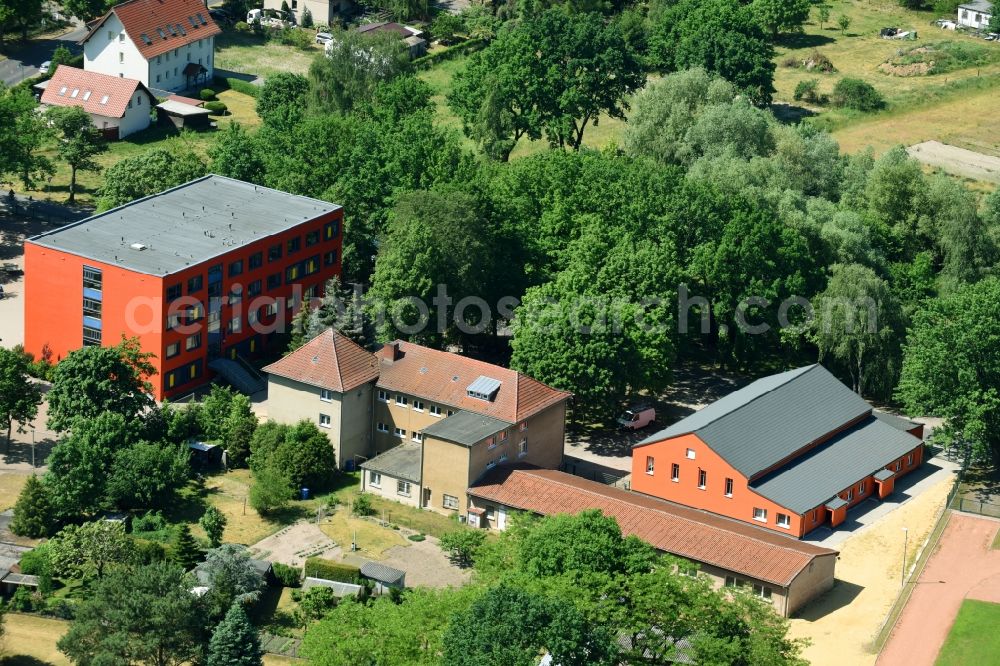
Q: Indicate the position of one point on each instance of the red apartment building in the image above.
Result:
(202, 273)
(789, 452)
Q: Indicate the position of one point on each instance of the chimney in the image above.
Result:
(393, 352)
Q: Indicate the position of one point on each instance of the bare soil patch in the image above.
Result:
(957, 160)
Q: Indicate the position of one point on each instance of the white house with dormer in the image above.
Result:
(165, 44)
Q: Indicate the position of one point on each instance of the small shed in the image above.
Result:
(182, 114)
(205, 455)
(385, 577)
(339, 589)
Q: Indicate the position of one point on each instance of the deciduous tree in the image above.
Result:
(282, 99)
(463, 544)
(79, 141)
(22, 133)
(19, 396)
(91, 549)
(352, 67)
(148, 173)
(147, 475)
(213, 522)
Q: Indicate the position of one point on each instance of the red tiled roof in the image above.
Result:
(443, 377)
(100, 94)
(185, 100)
(328, 361)
(168, 24)
(682, 531)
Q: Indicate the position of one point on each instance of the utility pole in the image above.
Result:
(32, 449)
(902, 572)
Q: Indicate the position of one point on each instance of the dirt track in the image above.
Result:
(957, 160)
(963, 566)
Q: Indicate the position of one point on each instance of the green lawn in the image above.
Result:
(250, 54)
(973, 639)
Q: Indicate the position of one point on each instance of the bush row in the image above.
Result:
(317, 567)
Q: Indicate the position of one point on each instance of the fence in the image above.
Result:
(882, 637)
(975, 506)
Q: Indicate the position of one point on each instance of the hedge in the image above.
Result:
(286, 575)
(449, 52)
(317, 567)
(217, 108)
(239, 85)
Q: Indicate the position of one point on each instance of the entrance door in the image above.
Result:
(427, 498)
(501, 518)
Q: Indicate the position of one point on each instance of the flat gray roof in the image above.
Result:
(185, 225)
(465, 428)
(813, 479)
(772, 418)
(399, 462)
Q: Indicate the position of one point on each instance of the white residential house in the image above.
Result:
(324, 12)
(165, 44)
(975, 14)
(117, 106)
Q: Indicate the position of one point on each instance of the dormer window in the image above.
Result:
(484, 388)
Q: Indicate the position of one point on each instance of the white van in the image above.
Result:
(637, 416)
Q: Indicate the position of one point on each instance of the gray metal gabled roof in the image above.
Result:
(465, 428)
(811, 480)
(399, 462)
(763, 423)
(382, 573)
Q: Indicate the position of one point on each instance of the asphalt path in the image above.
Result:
(23, 59)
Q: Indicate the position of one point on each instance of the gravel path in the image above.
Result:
(957, 160)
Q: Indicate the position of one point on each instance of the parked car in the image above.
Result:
(637, 416)
(323, 38)
(44, 67)
(220, 16)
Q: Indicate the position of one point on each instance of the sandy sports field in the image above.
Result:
(958, 161)
(963, 567)
(842, 623)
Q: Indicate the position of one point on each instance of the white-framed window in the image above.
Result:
(760, 515)
(730, 581)
(523, 426)
(702, 478)
(451, 412)
(374, 479)
(675, 472)
(491, 442)
(121, 36)
(762, 591)
(326, 395)
(401, 400)
(850, 494)
(381, 427)
(324, 420)
(418, 406)
(503, 458)
(403, 488)
(417, 436)
(121, 57)
(435, 410)
(400, 432)
(909, 459)
(861, 488)
(173, 349)
(503, 435)
(689, 454)
(899, 465)
(729, 487)
(522, 448)
(650, 465)
(383, 396)
(491, 464)
(783, 520)
(449, 502)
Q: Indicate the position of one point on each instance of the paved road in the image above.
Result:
(23, 59)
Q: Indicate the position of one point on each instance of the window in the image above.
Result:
(762, 591)
(403, 488)
(294, 245)
(418, 406)
(760, 515)
(401, 400)
(157, 78)
(815, 515)
(702, 478)
(861, 488)
(91, 336)
(691, 572)
(193, 342)
(491, 442)
(173, 349)
(417, 436)
(312, 265)
(898, 465)
(909, 460)
(330, 258)
(256, 260)
(331, 230)
(522, 427)
(850, 494)
(374, 479)
(312, 238)
(121, 57)
(236, 268)
(274, 253)
(235, 325)
(326, 395)
(235, 294)
(450, 412)
(92, 278)
(173, 292)
(273, 281)
(675, 472)
(292, 273)
(503, 435)
(383, 396)
(689, 454)
(491, 464)
(255, 288)
(729, 487)
(730, 581)
(435, 410)
(522, 448)
(324, 421)
(111, 35)
(195, 284)
(782, 520)
(173, 321)
(381, 427)
(91, 308)
(650, 464)
(400, 432)
(449, 502)
(503, 457)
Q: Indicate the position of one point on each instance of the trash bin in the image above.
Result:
(305, 493)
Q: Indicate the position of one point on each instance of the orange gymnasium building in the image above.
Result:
(789, 452)
(203, 274)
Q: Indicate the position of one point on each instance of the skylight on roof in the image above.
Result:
(181, 29)
(484, 388)
(162, 34)
(146, 38)
(62, 91)
(76, 91)
(86, 95)
(201, 19)
(194, 24)
(104, 100)
(172, 29)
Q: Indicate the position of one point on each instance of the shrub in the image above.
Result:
(217, 108)
(207, 94)
(857, 94)
(292, 36)
(22, 601)
(242, 26)
(150, 552)
(151, 521)
(363, 505)
(38, 562)
(60, 608)
(808, 91)
(286, 575)
(315, 603)
(271, 491)
(317, 567)
(417, 537)
(307, 18)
